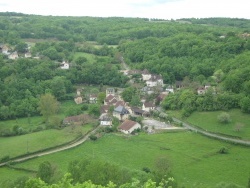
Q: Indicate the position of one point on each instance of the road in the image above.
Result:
(209, 134)
(31, 156)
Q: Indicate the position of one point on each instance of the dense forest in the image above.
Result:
(195, 51)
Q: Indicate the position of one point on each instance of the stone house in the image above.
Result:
(128, 126)
(121, 113)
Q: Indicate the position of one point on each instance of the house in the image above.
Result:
(104, 109)
(64, 65)
(179, 85)
(110, 91)
(148, 106)
(27, 55)
(155, 80)
(201, 91)
(105, 120)
(135, 111)
(121, 113)
(78, 100)
(5, 50)
(93, 98)
(110, 100)
(129, 126)
(145, 75)
(170, 89)
(79, 119)
(14, 55)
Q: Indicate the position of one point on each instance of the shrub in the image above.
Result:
(93, 137)
(224, 118)
(223, 150)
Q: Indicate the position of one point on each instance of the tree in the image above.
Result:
(239, 126)
(45, 171)
(21, 47)
(94, 109)
(224, 118)
(100, 98)
(245, 104)
(48, 106)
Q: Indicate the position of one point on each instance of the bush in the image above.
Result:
(223, 150)
(224, 118)
(93, 137)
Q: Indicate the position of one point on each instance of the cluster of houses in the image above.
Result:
(4, 49)
(114, 106)
(13, 54)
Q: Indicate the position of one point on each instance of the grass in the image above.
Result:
(90, 57)
(194, 159)
(209, 121)
(20, 145)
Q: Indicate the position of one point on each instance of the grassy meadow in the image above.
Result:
(20, 145)
(194, 159)
(209, 121)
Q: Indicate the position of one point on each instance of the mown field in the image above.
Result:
(194, 159)
(28, 143)
(209, 121)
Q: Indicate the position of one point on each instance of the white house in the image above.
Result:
(105, 120)
(14, 55)
(129, 126)
(201, 91)
(92, 98)
(145, 75)
(64, 65)
(170, 89)
(27, 55)
(148, 106)
(5, 50)
(154, 80)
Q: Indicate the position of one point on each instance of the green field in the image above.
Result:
(20, 145)
(209, 121)
(194, 159)
(90, 57)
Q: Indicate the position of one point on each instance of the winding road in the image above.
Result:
(213, 135)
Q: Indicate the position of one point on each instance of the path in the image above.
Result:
(209, 134)
(124, 65)
(31, 156)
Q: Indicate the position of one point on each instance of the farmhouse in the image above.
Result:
(129, 126)
(14, 55)
(105, 120)
(148, 106)
(154, 80)
(64, 65)
(92, 98)
(121, 113)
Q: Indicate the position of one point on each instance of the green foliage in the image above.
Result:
(94, 109)
(93, 137)
(223, 150)
(48, 106)
(224, 118)
(45, 171)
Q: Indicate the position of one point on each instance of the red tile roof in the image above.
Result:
(127, 124)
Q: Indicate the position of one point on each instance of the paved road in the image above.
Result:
(212, 135)
(31, 156)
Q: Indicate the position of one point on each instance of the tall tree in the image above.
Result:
(48, 106)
